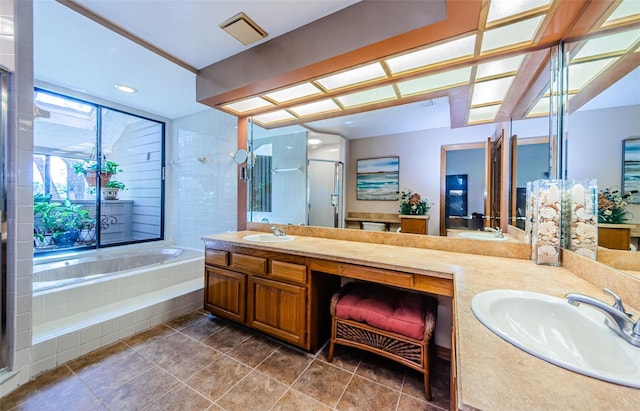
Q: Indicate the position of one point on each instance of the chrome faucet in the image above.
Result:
(628, 329)
(280, 232)
(496, 231)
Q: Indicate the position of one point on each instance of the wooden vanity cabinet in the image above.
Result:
(267, 291)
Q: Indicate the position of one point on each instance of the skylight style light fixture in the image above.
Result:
(352, 77)
(439, 54)
(433, 82)
(376, 95)
(483, 114)
(516, 33)
(273, 117)
(248, 104)
(508, 9)
(608, 45)
(541, 108)
(125, 89)
(293, 93)
(500, 67)
(625, 10)
(243, 29)
(317, 107)
(491, 91)
(581, 74)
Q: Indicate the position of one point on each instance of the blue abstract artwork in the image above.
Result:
(378, 178)
(631, 169)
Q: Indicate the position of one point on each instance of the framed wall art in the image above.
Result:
(631, 169)
(378, 178)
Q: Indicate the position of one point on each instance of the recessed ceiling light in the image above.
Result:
(125, 89)
(314, 141)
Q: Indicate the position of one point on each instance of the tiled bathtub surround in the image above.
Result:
(78, 318)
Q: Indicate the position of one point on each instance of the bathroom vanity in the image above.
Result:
(282, 289)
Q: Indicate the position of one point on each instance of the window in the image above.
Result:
(97, 175)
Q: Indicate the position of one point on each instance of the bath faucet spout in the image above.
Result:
(618, 320)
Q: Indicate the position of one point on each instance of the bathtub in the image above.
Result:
(88, 301)
(60, 273)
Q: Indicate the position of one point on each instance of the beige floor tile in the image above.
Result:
(181, 397)
(140, 391)
(286, 364)
(218, 377)
(294, 400)
(227, 338)
(344, 357)
(148, 336)
(323, 382)
(365, 395)
(382, 371)
(179, 355)
(408, 403)
(255, 392)
(204, 328)
(253, 350)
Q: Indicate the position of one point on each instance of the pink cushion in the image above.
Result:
(384, 308)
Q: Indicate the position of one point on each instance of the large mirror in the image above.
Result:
(604, 110)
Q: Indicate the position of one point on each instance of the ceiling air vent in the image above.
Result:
(243, 29)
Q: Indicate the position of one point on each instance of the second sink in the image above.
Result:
(575, 338)
(268, 238)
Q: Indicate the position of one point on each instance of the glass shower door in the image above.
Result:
(4, 98)
(325, 193)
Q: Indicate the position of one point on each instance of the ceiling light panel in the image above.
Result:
(618, 42)
(626, 9)
(435, 82)
(516, 33)
(491, 91)
(318, 107)
(499, 67)
(483, 114)
(293, 93)
(541, 108)
(460, 48)
(504, 9)
(352, 77)
(582, 73)
(375, 95)
(249, 104)
(274, 117)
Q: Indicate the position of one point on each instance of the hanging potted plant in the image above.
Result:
(88, 169)
(110, 190)
(64, 222)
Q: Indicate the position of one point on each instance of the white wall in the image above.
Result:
(595, 145)
(419, 154)
(204, 178)
(470, 162)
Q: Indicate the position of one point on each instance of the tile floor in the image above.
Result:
(199, 362)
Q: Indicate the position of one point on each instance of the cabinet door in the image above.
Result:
(225, 293)
(278, 309)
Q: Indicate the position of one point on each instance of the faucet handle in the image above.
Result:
(618, 302)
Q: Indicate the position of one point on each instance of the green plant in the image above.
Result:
(412, 204)
(612, 207)
(115, 184)
(82, 167)
(65, 217)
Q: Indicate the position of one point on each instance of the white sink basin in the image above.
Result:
(575, 338)
(481, 235)
(268, 238)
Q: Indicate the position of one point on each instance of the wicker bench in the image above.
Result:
(396, 324)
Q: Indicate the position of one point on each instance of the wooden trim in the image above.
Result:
(487, 183)
(504, 182)
(513, 148)
(73, 5)
(443, 353)
(443, 188)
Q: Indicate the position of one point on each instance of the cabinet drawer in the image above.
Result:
(377, 275)
(216, 257)
(249, 264)
(289, 272)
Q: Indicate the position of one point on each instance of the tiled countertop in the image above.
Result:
(492, 374)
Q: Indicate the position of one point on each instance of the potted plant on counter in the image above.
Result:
(110, 190)
(88, 169)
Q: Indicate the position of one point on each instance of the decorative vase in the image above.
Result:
(110, 193)
(91, 177)
(66, 239)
